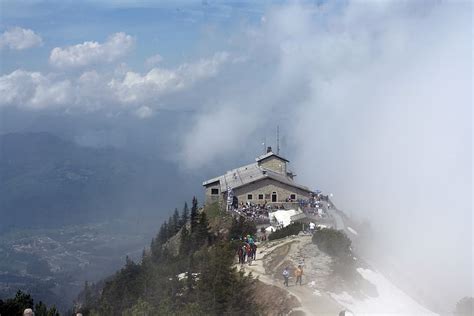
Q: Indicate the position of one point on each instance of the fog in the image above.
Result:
(373, 100)
(376, 104)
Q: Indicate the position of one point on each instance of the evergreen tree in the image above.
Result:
(53, 311)
(184, 215)
(16, 305)
(194, 215)
(202, 234)
(184, 246)
(176, 221)
(41, 309)
(88, 300)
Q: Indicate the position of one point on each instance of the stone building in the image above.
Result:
(267, 180)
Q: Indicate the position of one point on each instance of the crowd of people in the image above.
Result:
(254, 212)
(247, 250)
(259, 213)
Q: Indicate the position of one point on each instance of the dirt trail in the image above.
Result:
(273, 257)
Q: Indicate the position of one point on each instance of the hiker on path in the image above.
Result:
(254, 251)
(298, 274)
(312, 226)
(240, 253)
(286, 276)
(249, 254)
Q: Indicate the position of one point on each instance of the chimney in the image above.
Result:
(269, 149)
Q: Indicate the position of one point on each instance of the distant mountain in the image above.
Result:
(46, 181)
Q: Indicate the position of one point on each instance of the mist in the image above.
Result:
(373, 100)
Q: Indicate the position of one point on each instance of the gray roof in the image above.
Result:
(270, 154)
(248, 174)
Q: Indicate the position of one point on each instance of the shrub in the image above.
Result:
(292, 229)
(333, 242)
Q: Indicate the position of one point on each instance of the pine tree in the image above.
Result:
(171, 227)
(176, 221)
(184, 215)
(194, 215)
(53, 311)
(41, 309)
(202, 234)
(88, 295)
(184, 246)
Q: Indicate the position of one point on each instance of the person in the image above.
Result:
(240, 253)
(28, 312)
(254, 251)
(299, 274)
(250, 239)
(286, 275)
(312, 226)
(244, 253)
(249, 254)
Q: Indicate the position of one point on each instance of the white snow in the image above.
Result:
(352, 230)
(270, 229)
(390, 300)
(283, 217)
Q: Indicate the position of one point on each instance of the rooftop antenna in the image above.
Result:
(278, 139)
(264, 143)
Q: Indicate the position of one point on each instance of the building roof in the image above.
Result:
(248, 174)
(268, 155)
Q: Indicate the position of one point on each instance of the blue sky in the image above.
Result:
(363, 91)
(171, 29)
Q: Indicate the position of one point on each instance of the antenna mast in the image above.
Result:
(278, 139)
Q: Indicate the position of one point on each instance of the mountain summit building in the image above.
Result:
(267, 180)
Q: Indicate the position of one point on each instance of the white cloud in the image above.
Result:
(153, 60)
(18, 38)
(111, 91)
(87, 53)
(144, 112)
(135, 87)
(33, 90)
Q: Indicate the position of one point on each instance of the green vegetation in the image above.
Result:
(333, 242)
(198, 279)
(292, 229)
(336, 244)
(15, 306)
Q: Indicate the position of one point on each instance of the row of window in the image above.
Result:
(267, 196)
(250, 196)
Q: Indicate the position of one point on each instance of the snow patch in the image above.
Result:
(352, 230)
(390, 300)
(283, 217)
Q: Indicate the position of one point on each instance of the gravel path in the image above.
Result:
(272, 258)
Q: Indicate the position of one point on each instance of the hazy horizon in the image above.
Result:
(373, 101)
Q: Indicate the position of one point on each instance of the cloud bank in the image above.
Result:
(374, 100)
(87, 53)
(18, 38)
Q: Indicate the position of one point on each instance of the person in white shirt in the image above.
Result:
(312, 226)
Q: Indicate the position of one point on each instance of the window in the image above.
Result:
(293, 196)
(249, 197)
(260, 196)
(214, 191)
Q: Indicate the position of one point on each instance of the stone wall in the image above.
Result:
(211, 198)
(275, 164)
(267, 187)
